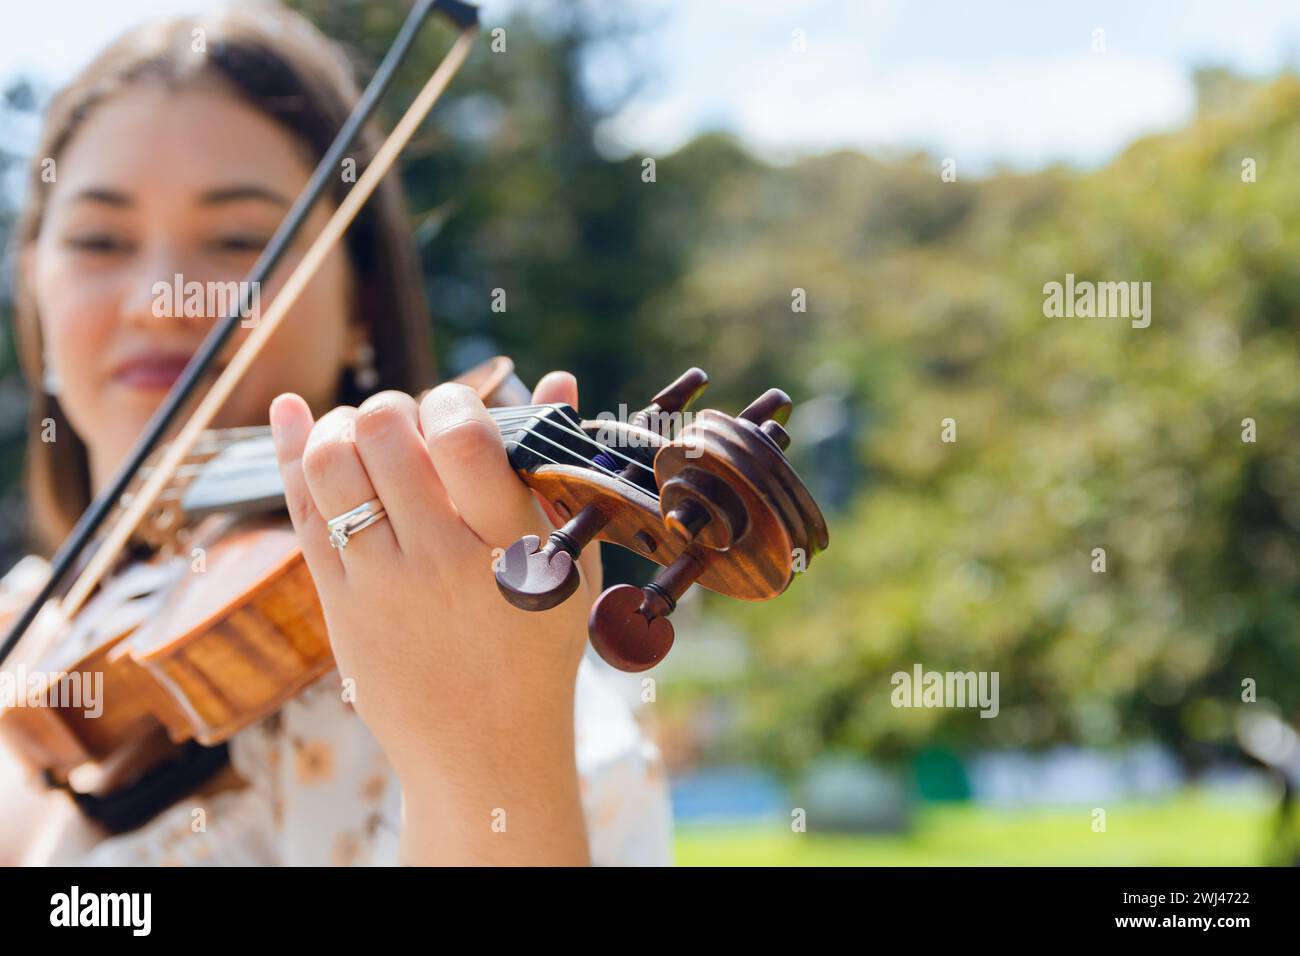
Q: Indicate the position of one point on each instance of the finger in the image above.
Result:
(556, 387)
(338, 483)
(291, 423)
(467, 451)
(397, 461)
(563, 387)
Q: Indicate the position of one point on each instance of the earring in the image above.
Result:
(49, 378)
(364, 373)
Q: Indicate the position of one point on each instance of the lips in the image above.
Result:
(152, 370)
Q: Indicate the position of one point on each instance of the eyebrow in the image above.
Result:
(108, 197)
(213, 197)
(239, 193)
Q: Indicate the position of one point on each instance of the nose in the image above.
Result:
(156, 296)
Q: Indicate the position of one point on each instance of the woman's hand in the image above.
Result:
(471, 698)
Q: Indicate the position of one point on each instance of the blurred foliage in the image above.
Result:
(924, 302)
(1073, 434)
(18, 105)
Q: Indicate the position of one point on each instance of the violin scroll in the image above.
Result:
(727, 511)
(537, 577)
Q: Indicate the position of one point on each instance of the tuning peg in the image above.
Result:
(774, 404)
(677, 397)
(687, 519)
(778, 435)
(535, 578)
(629, 626)
(770, 411)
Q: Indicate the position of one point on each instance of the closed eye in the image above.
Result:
(239, 244)
(100, 243)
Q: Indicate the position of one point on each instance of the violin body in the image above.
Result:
(223, 641)
(216, 659)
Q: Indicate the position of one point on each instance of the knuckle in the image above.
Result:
(463, 442)
(325, 452)
(338, 425)
(383, 415)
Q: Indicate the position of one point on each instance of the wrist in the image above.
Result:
(484, 751)
(512, 801)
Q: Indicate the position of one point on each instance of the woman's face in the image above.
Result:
(156, 185)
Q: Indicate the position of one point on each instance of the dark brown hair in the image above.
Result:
(278, 62)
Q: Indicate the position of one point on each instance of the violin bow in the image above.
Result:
(462, 15)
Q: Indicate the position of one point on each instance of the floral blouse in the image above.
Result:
(320, 791)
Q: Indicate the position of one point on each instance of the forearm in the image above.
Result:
(514, 802)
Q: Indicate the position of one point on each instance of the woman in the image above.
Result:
(478, 734)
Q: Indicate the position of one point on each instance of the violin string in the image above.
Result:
(528, 432)
(520, 411)
(504, 417)
(507, 419)
(210, 444)
(574, 429)
(568, 427)
(617, 476)
(524, 413)
(504, 423)
(607, 449)
(598, 466)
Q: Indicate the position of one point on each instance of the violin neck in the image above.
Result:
(241, 474)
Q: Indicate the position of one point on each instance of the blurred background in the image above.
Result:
(918, 171)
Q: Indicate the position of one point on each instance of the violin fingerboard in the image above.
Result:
(243, 479)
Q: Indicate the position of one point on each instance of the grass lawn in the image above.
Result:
(1190, 829)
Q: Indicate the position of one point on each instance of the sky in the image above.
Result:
(1014, 83)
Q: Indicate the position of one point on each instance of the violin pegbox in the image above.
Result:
(716, 504)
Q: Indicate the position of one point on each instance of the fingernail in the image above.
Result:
(280, 417)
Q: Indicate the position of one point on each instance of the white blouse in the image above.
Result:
(321, 793)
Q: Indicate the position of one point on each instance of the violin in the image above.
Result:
(198, 614)
(228, 627)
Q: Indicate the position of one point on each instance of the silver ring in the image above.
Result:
(343, 527)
